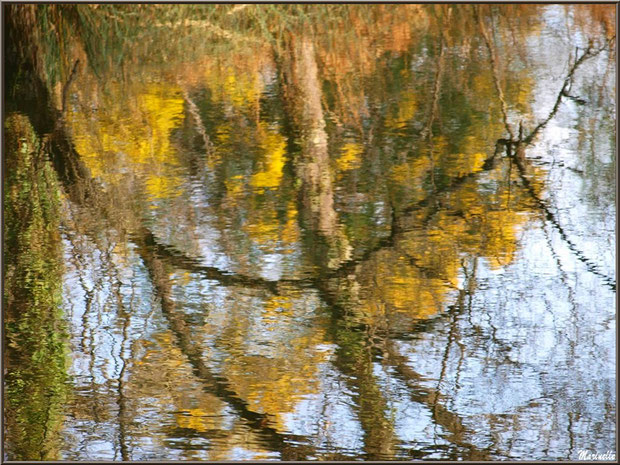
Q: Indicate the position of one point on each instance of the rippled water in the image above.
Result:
(335, 245)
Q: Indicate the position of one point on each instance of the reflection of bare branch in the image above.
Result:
(523, 141)
(428, 130)
(200, 127)
(506, 144)
(588, 53)
(123, 314)
(519, 147)
(65, 89)
(550, 217)
(171, 256)
(449, 421)
(563, 276)
(122, 398)
(396, 229)
(493, 60)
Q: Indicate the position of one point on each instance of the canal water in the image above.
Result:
(316, 233)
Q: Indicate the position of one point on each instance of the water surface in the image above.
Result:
(386, 235)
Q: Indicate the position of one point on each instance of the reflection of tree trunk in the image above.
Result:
(354, 360)
(317, 197)
(317, 192)
(313, 165)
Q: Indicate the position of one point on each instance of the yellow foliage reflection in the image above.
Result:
(273, 146)
(276, 367)
(350, 158)
(132, 136)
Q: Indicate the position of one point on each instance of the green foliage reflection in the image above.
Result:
(35, 355)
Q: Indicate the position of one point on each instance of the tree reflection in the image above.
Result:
(307, 201)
